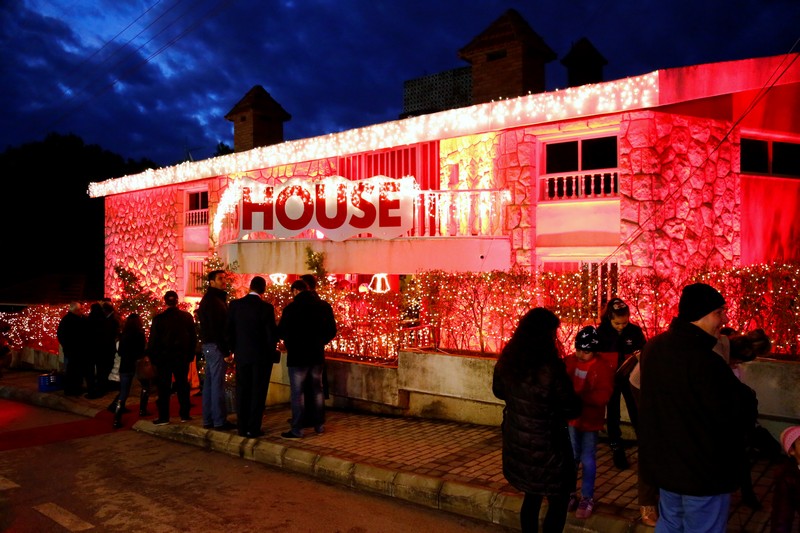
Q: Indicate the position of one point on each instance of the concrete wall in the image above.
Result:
(459, 388)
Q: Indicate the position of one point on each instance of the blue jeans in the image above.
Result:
(297, 376)
(584, 449)
(125, 381)
(214, 411)
(679, 513)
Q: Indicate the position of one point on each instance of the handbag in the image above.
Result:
(145, 368)
(627, 366)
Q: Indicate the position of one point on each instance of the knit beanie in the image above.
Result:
(697, 300)
(789, 436)
(587, 339)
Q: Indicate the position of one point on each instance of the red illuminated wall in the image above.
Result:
(680, 198)
(143, 236)
(770, 219)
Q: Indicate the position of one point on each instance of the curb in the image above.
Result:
(501, 508)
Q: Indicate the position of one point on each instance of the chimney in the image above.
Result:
(507, 59)
(257, 120)
(584, 64)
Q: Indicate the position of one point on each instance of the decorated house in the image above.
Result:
(666, 172)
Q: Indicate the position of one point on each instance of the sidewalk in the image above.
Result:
(450, 466)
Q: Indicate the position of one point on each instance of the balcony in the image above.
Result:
(197, 217)
(594, 184)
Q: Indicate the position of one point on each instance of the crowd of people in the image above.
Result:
(243, 333)
(692, 416)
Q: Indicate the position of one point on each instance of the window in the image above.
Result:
(593, 154)
(194, 276)
(197, 214)
(599, 281)
(770, 157)
(583, 168)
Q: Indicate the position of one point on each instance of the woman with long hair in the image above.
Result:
(131, 348)
(531, 378)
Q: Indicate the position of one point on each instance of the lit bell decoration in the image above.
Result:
(379, 283)
(278, 279)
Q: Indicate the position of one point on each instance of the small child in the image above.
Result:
(593, 380)
(786, 498)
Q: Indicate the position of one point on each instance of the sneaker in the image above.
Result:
(291, 436)
(319, 430)
(572, 504)
(584, 508)
(161, 421)
(649, 515)
(186, 418)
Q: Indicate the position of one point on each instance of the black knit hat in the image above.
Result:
(587, 339)
(698, 300)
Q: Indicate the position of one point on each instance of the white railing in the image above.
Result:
(197, 217)
(601, 183)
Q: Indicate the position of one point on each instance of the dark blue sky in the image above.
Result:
(154, 78)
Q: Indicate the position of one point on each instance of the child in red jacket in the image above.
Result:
(593, 380)
(786, 498)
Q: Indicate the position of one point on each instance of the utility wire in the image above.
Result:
(773, 79)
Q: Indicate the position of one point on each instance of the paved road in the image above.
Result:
(129, 481)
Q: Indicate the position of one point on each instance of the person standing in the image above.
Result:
(96, 332)
(252, 334)
(171, 348)
(212, 313)
(327, 311)
(621, 337)
(73, 333)
(694, 417)
(132, 343)
(531, 378)
(107, 347)
(305, 330)
(593, 381)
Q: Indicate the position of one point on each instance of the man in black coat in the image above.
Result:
(694, 416)
(73, 331)
(171, 349)
(252, 337)
(305, 329)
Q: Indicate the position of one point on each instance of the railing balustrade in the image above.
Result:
(601, 183)
(197, 217)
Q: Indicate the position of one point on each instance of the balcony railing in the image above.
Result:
(436, 214)
(197, 217)
(601, 183)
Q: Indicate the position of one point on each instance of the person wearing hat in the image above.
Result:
(694, 417)
(593, 381)
(171, 348)
(786, 495)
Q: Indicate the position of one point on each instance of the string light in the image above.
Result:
(614, 96)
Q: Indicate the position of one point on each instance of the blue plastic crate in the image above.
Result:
(49, 382)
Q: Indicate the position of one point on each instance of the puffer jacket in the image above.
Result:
(537, 454)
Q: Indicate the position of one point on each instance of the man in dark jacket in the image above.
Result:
(212, 313)
(253, 336)
(305, 329)
(72, 334)
(694, 416)
(171, 349)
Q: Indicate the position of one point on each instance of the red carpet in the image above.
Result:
(90, 427)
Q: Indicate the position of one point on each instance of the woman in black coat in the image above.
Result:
(531, 378)
(131, 348)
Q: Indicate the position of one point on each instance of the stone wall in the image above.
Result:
(679, 192)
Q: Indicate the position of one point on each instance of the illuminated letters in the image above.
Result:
(337, 207)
